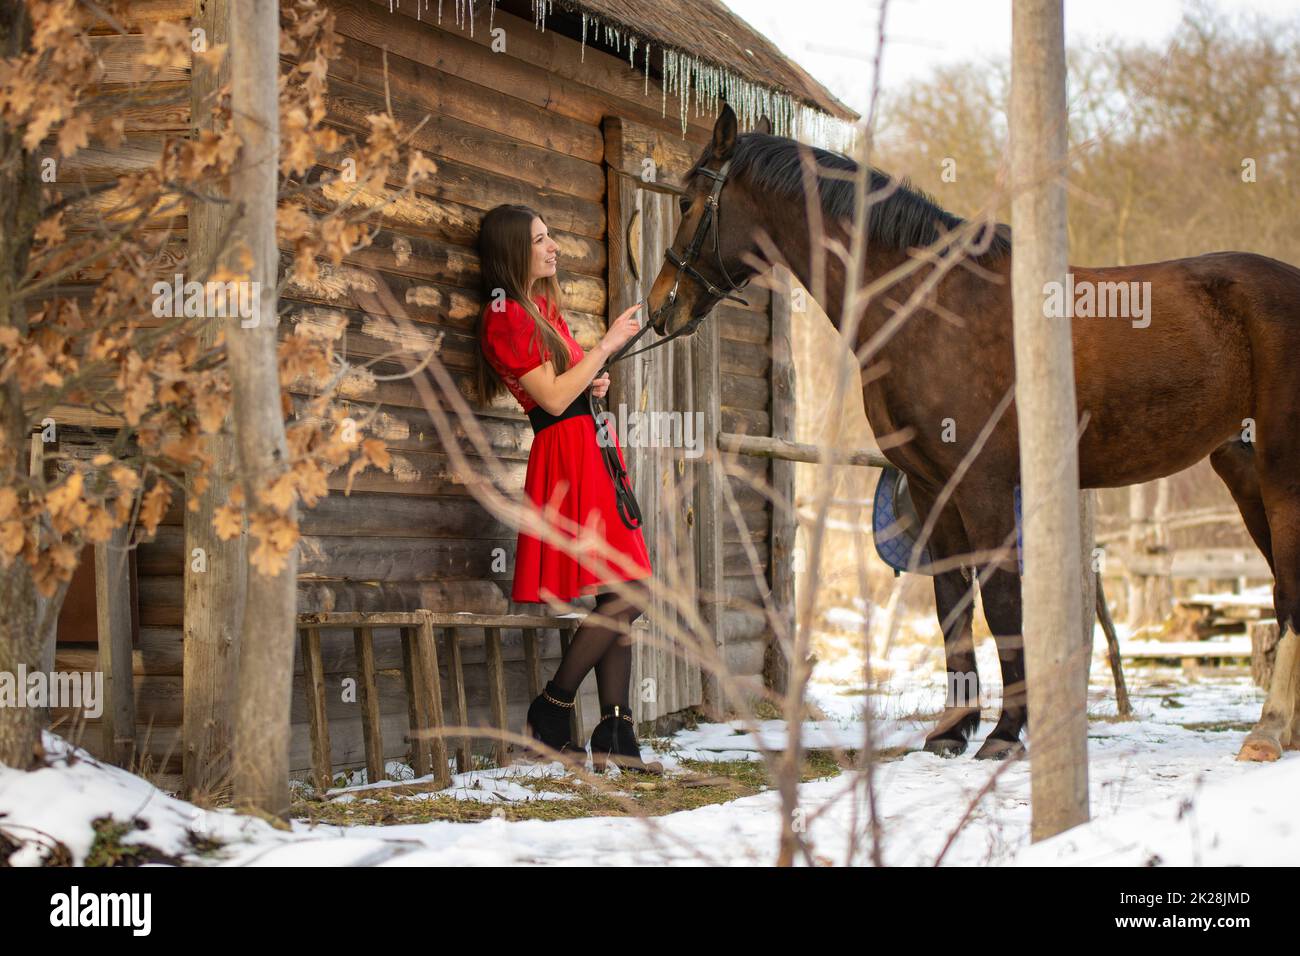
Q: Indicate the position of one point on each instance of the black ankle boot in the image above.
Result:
(614, 739)
(548, 721)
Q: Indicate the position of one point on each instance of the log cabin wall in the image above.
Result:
(523, 125)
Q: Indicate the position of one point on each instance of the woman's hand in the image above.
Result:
(621, 329)
(600, 385)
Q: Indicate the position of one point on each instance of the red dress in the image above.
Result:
(565, 468)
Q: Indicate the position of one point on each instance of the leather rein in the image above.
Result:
(628, 509)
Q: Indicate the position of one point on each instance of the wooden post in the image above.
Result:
(707, 375)
(214, 570)
(1045, 405)
(456, 675)
(417, 712)
(1136, 586)
(260, 764)
(575, 721)
(426, 658)
(364, 645)
(532, 662)
(781, 535)
(314, 676)
(496, 687)
(113, 608)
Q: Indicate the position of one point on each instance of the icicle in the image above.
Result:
(582, 57)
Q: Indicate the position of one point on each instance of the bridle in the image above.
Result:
(712, 216)
(628, 509)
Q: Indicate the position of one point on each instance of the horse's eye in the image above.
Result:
(684, 204)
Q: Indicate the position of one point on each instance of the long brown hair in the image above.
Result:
(505, 250)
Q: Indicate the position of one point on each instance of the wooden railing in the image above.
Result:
(423, 681)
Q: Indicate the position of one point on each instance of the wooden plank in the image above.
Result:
(575, 721)
(416, 704)
(446, 620)
(496, 689)
(320, 735)
(781, 539)
(426, 658)
(368, 698)
(1200, 563)
(456, 677)
(548, 66)
(769, 447)
(424, 87)
(113, 609)
(214, 586)
(349, 104)
(532, 661)
(1237, 647)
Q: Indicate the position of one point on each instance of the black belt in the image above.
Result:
(628, 509)
(541, 418)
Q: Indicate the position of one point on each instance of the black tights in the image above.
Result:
(605, 645)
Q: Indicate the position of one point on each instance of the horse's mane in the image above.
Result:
(906, 217)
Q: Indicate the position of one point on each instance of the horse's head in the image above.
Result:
(706, 261)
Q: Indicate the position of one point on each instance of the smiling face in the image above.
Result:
(544, 252)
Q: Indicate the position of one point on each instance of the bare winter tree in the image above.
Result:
(1045, 403)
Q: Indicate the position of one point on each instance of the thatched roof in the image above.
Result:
(703, 49)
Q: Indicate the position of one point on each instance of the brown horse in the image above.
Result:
(1209, 349)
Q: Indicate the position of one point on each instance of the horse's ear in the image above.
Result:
(764, 125)
(724, 133)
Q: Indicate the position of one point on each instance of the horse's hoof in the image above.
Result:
(996, 748)
(946, 747)
(1260, 747)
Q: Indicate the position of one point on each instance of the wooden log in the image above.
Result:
(766, 447)
(532, 661)
(575, 721)
(496, 689)
(368, 697)
(113, 608)
(743, 358)
(215, 590)
(776, 668)
(711, 517)
(320, 734)
(426, 660)
(417, 705)
(349, 104)
(548, 67)
(1264, 637)
(456, 681)
(482, 595)
(411, 81)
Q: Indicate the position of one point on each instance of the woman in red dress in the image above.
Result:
(527, 346)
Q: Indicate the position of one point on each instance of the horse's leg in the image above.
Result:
(1277, 462)
(1234, 462)
(954, 603)
(990, 525)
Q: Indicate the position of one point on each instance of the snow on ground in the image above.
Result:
(1165, 788)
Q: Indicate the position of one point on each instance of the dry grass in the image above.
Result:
(705, 782)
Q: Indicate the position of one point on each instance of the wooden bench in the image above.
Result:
(423, 682)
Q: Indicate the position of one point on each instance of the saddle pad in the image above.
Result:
(891, 499)
(894, 539)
